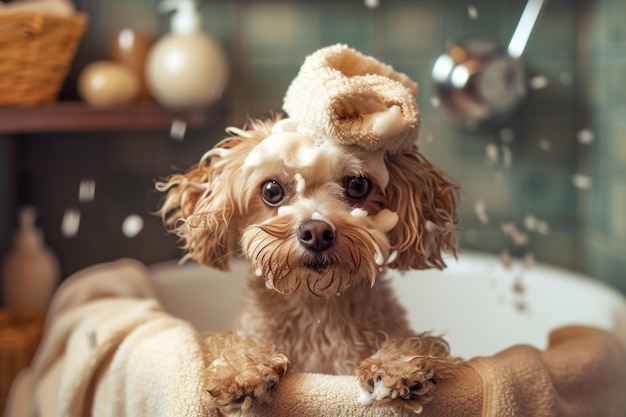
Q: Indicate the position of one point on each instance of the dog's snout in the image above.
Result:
(316, 235)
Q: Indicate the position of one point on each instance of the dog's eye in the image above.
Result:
(272, 193)
(357, 188)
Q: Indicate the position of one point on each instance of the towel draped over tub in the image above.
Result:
(110, 349)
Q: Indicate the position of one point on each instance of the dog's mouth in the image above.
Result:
(317, 263)
(319, 267)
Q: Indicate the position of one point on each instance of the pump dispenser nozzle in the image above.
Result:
(186, 18)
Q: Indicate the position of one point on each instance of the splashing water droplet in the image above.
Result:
(543, 228)
(178, 129)
(582, 182)
(86, 191)
(472, 12)
(545, 145)
(585, 136)
(132, 225)
(539, 82)
(70, 223)
(492, 153)
(530, 222)
(480, 208)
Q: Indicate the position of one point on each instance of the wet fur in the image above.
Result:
(332, 312)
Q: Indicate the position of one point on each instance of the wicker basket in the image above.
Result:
(36, 51)
(20, 333)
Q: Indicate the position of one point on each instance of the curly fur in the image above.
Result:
(329, 311)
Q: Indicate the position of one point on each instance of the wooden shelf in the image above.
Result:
(76, 117)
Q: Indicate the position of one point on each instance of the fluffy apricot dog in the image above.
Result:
(320, 219)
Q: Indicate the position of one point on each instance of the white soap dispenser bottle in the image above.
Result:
(186, 68)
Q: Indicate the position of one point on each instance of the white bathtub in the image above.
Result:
(478, 304)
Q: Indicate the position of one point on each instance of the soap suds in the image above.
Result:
(300, 183)
(303, 205)
(220, 361)
(380, 391)
(389, 123)
(359, 212)
(317, 216)
(285, 125)
(392, 256)
(291, 148)
(379, 258)
(365, 397)
(386, 220)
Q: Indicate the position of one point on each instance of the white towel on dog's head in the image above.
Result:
(352, 99)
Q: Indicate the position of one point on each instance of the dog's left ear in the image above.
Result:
(201, 205)
(425, 201)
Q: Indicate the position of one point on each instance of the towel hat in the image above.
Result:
(344, 96)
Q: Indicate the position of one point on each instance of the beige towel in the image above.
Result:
(145, 362)
(110, 350)
(353, 99)
(582, 373)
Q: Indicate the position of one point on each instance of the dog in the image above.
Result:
(319, 223)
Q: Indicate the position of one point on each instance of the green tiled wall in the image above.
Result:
(266, 42)
(606, 240)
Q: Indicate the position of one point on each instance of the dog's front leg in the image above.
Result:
(241, 372)
(406, 370)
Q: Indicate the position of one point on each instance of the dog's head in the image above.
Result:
(311, 214)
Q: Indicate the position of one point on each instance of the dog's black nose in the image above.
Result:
(316, 235)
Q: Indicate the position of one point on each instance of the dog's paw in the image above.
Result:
(411, 382)
(405, 372)
(243, 376)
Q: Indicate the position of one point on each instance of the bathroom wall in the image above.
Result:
(569, 124)
(605, 237)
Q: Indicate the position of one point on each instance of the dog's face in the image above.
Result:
(311, 214)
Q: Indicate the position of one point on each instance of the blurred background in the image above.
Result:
(548, 184)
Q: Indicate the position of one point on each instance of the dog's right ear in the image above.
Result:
(201, 205)
(425, 200)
